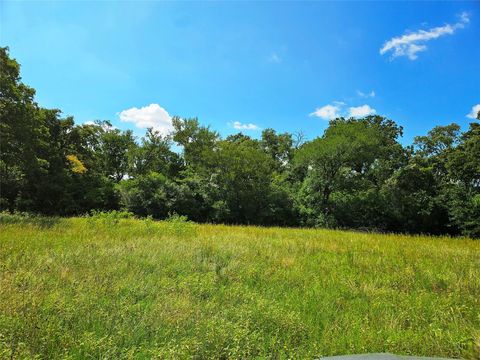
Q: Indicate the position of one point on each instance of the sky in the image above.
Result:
(247, 66)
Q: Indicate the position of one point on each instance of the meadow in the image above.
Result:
(103, 288)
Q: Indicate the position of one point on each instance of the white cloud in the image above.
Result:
(474, 112)
(274, 58)
(239, 126)
(328, 112)
(464, 18)
(412, 43)
(371, 94)
(361, 111)
(152, 115)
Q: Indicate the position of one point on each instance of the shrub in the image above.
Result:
(109, 218)
(179, 225)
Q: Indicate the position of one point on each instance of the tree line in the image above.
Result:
(357, 175)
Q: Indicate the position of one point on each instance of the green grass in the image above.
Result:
(82, 288)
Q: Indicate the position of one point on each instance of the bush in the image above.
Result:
(109, 218)
(179, 225)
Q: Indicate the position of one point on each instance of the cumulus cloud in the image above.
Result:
(328, 112)
(412, 43)
(371, 94)
(239, 126)
(361, 111)
(152, 115)
(473, 114)
(338, 109)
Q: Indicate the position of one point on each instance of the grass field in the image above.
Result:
(84, 288)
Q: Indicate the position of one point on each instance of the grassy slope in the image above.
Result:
(83, 289)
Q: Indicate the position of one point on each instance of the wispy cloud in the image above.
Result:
(361, 111)
(412, 43)
(328, 112)
(152, 115)
(274, 58)
(239, 126)
(475, 110)
(371, 94)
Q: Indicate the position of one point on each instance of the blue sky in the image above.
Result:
(285, 65)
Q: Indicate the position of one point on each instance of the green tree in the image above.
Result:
(463, 166)
(155, 154)
(196, 140)
(279, 147)
(242, 175)
(148, 194)
(19, 129)
(114, 148)
(346, 149)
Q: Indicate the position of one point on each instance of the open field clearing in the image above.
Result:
(85, 288)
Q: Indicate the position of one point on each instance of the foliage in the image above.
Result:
(179, 225)
(357, 175)
(76, 165)
(109, 218)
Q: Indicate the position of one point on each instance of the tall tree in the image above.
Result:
(19, 128)
(346, 149)
(243, 174)
(463, 166)
(196, 140)
(155, 154)
(278, 146)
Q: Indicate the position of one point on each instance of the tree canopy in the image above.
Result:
(356, 175)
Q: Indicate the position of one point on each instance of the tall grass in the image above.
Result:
(101, 288)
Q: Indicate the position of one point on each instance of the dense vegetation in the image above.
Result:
(109, 288)
(357, 175)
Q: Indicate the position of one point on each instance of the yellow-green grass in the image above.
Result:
(79, 288)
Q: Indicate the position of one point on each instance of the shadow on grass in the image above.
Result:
(43, 222)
